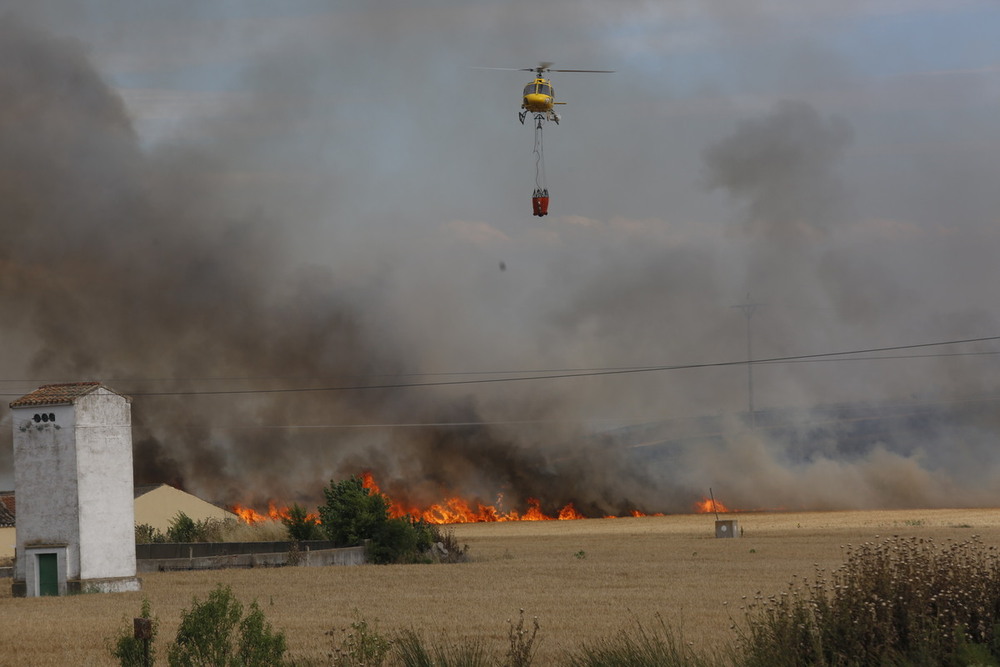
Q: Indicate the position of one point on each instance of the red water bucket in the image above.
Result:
(540, 204)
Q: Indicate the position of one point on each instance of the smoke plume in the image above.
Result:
(283, 318)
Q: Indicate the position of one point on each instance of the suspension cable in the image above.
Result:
(539, 155)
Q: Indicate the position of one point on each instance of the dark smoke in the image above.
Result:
(783, 167)
(125, 264)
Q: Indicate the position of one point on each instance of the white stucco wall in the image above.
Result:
(103, 431)
(73, 483)
(45, 476)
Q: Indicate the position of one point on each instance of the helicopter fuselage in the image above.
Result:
(539, 96)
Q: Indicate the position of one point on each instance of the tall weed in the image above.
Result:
(660, 646)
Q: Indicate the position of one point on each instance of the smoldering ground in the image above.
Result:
(172, 272)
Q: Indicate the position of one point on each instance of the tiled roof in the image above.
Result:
(56, 394)
(6, 509)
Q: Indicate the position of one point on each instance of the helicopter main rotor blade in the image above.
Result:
(541, 69)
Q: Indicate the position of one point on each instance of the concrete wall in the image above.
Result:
(205, 549)
(218, 555)
(45, 476)
(225, 557)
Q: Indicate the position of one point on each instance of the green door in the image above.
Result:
(48, 574)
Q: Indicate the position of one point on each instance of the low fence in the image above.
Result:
(171, 556)
(204, 549)
(219, 555)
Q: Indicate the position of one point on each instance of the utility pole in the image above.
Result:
(748, 308)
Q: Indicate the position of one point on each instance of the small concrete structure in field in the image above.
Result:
(73, 480)
(727, 528)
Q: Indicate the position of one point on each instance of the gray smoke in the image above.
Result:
(784, 167)
(336, 222)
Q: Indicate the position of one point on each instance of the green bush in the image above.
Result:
(214, 633)
(132, 652)
(300, 525)
(354, 515)
(182, 528)
(147, 534)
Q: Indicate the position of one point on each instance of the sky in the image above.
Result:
(249, 194)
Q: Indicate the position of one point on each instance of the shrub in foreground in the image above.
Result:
(132, 652)
(899, 601)
(216, 633)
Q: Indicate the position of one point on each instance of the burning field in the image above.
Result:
(455, 510)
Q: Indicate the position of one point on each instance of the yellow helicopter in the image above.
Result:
(539, 96)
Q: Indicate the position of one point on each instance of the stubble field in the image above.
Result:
(583, 580)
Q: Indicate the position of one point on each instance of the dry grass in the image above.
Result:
(582, 579)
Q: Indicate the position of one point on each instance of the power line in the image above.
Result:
(564, 373)
(580, 371)
(567, 373)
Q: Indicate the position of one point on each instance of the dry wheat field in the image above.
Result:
(582, 579)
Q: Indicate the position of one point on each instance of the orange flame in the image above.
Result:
(450, 510)
(458, 510)
(709, 506)
(273, 513)
(248, 514)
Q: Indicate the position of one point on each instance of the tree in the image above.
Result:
(300, 525)
(352, 513)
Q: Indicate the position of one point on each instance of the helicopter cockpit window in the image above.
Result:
(529, 89)
(545, 89)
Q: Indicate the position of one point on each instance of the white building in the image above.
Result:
(73, 480)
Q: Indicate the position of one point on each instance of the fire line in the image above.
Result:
(459, 510)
